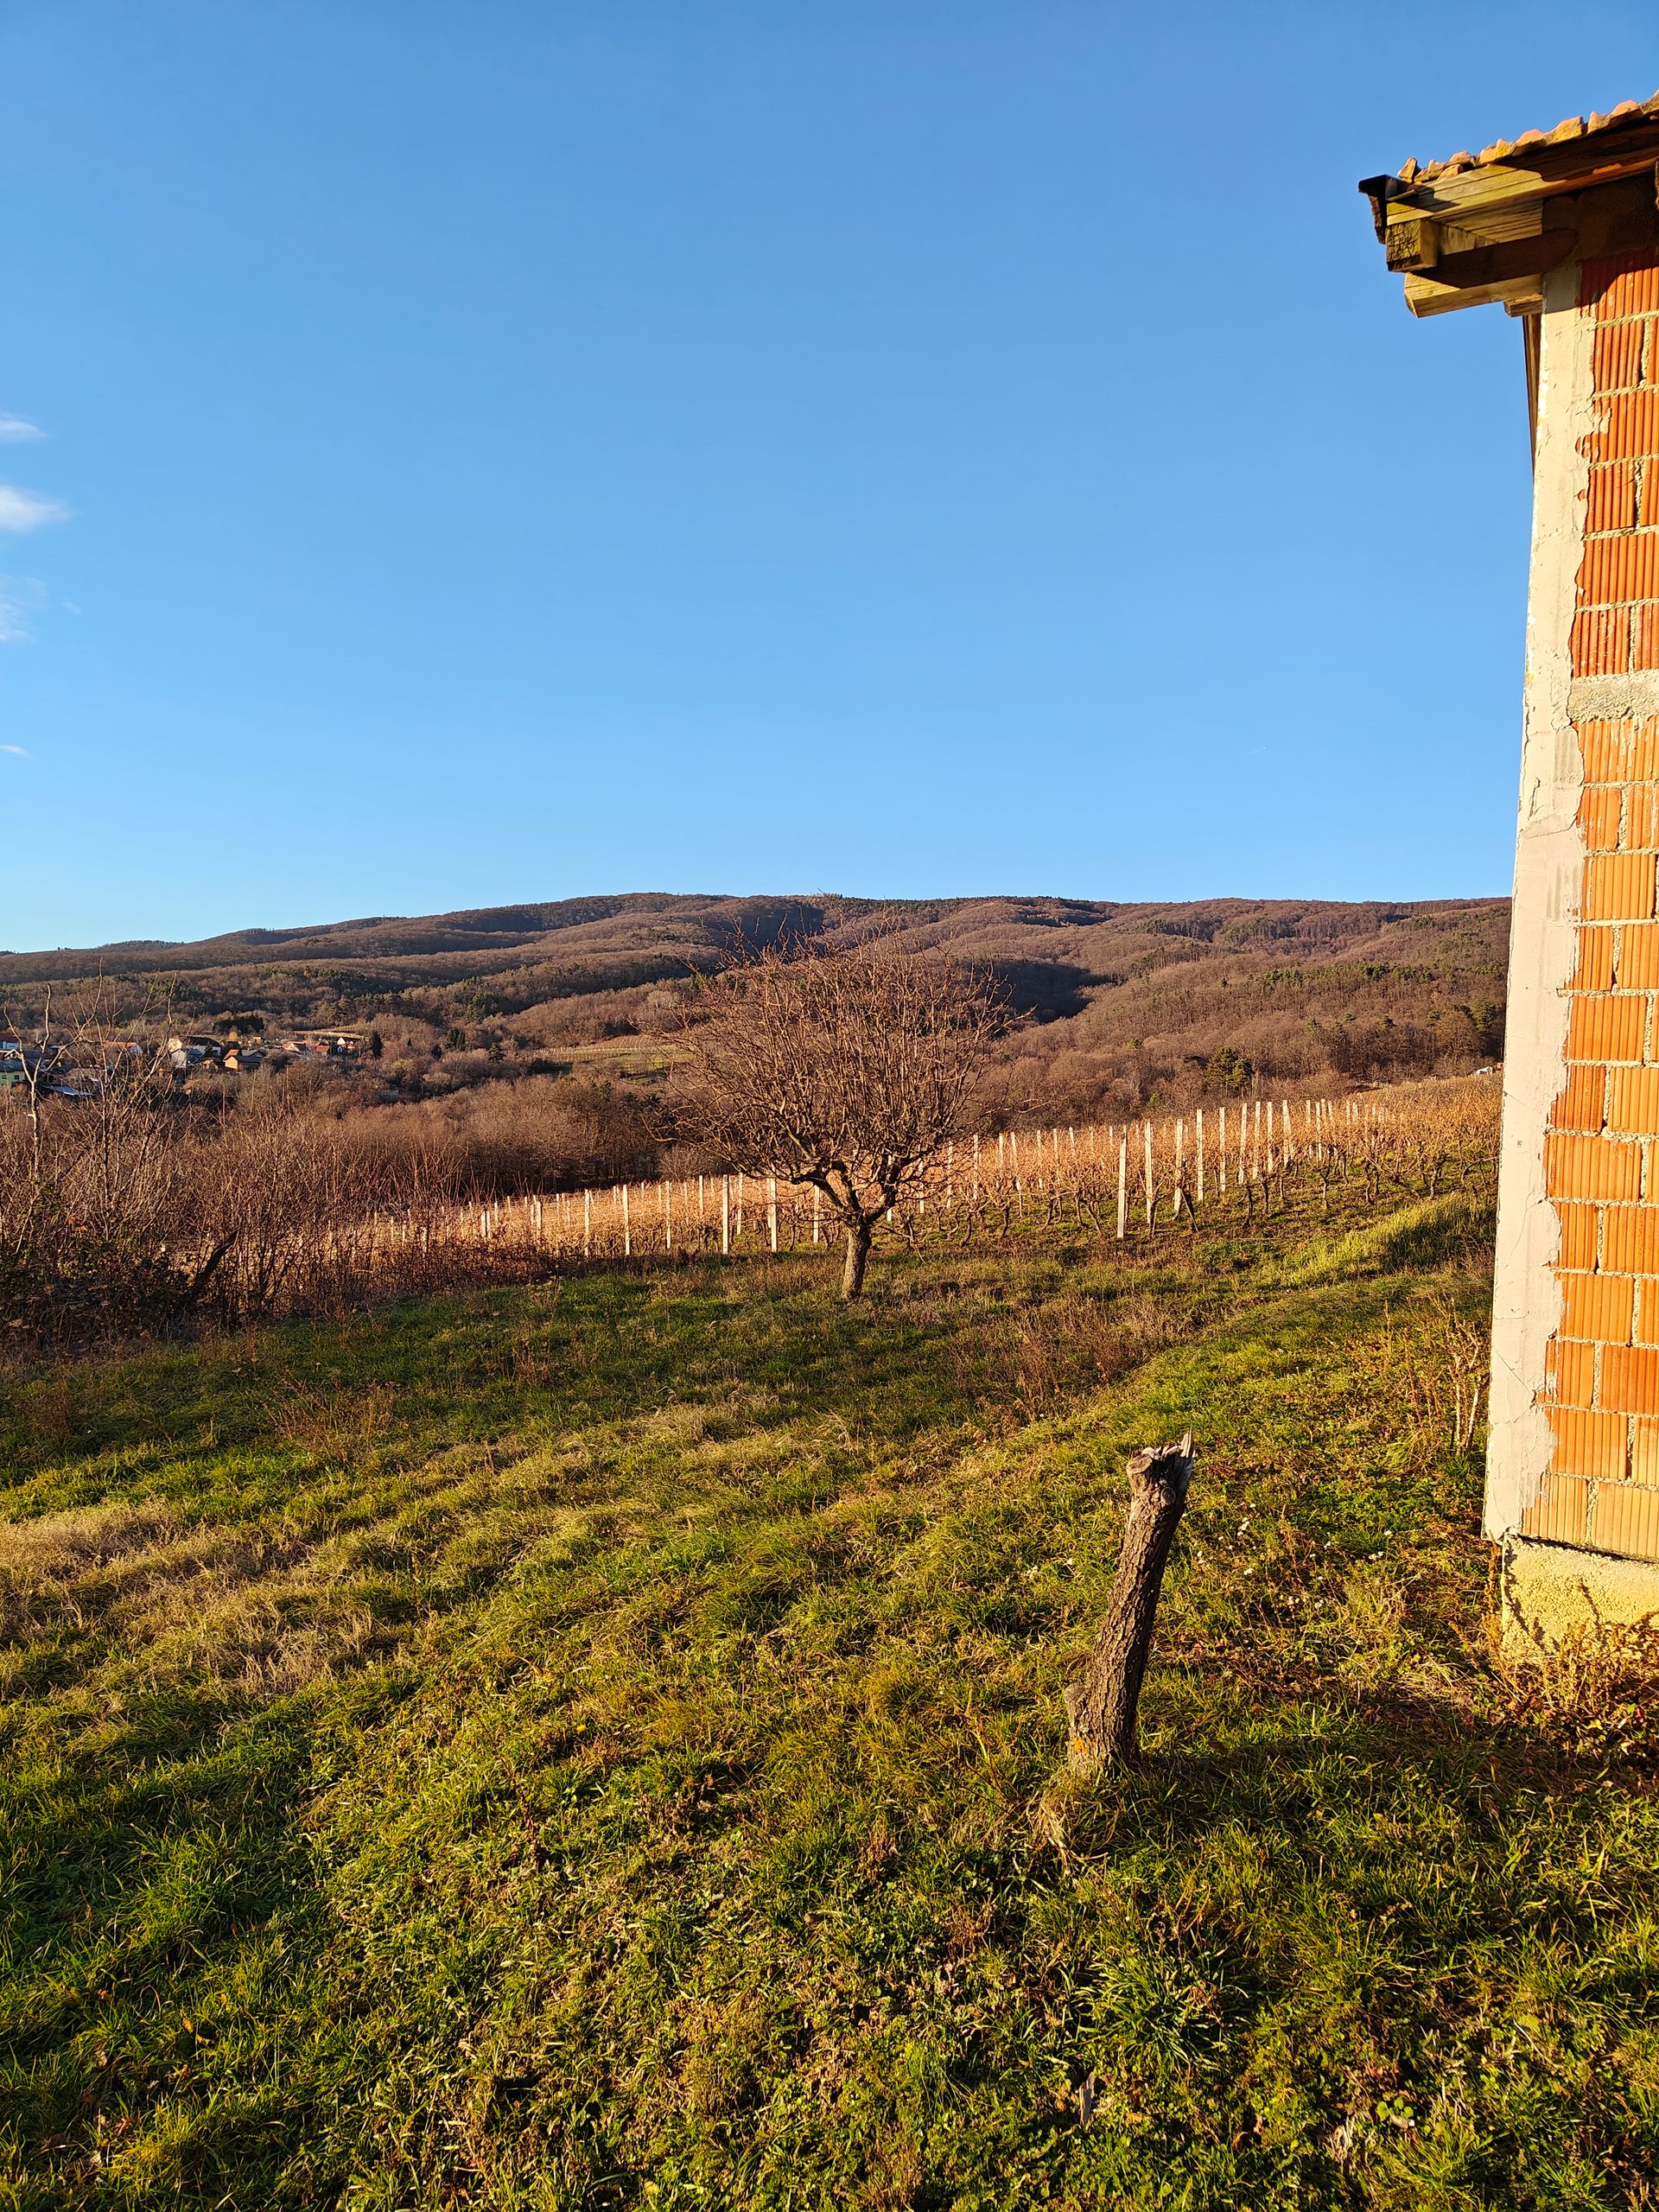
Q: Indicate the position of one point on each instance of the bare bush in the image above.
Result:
(92, 1185)
(541, 1133)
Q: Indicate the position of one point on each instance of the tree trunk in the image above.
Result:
(859, 1235)
(1102, 1703)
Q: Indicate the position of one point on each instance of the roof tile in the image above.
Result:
(1573, 126)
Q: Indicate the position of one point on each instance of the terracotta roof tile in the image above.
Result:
(1575, 126)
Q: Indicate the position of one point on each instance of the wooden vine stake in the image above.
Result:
(1103, 1701)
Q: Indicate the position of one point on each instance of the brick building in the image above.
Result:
(1560, 228)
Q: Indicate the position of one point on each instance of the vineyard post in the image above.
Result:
(817, 1215)
(725, 1213)
(668, 1217)
(1145, 1129)
(587, 1224)
(975, 1169)
(771, 1210)
(627, 1233)
(1200, 1155)
(1123, 1186)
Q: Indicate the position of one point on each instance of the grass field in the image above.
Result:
(602, 1744)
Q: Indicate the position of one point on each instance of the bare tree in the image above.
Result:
(846, 1071)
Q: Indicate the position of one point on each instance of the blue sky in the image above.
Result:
(521, 449)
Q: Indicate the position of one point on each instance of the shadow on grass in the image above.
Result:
(151, 1900)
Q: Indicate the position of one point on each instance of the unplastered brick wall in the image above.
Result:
(1601, 1155)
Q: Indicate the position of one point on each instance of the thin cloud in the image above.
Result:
(21, 751)
(20, 597)
(21, 510)
(15, 431)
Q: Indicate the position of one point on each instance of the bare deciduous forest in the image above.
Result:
(1119, 1008)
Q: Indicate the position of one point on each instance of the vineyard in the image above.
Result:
(1124, 1185)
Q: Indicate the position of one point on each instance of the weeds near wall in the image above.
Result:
(1593, 1690)
(1443, 1374)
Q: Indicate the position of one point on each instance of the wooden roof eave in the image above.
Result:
(1491, 235)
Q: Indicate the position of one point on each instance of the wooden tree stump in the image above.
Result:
(1103, 1701)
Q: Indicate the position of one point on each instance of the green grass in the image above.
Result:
(603, 1745)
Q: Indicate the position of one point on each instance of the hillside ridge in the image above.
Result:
(374, 936)
(1116, 1000)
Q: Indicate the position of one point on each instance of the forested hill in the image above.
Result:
(1116, 1000)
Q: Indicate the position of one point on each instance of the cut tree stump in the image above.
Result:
(1103, 1701)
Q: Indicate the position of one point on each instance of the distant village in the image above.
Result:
(63, 1070)
(237, 1052)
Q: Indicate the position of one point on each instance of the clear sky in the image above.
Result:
(513, 449)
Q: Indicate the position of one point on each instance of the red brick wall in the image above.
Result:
(1601, 1157)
